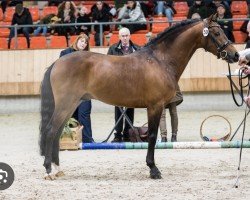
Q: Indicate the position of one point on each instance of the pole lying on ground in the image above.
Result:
(166, 145)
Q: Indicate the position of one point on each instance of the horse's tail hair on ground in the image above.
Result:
(47, 109)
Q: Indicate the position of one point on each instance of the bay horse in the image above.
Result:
(144, 79)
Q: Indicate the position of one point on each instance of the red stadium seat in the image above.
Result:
(3, 43)
(239, 37)
(21, 43)
(181, 9)
(9, 14)
(4, 32)
(238, 24)
(239, 8)
(49, 10)
(159, 27)
(1, 15)
(38, 42)
(58, 42)
(139, 39)
(34, 11)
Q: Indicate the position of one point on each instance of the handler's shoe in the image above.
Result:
(126, 137)
(164, 139)
(174, 137)
(118, 137)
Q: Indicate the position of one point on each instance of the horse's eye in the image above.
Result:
(217, 33)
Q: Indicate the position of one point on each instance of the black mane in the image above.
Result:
(168, 33)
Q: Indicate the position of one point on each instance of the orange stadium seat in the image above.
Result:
(139, 39)
(38, 42)
(237, 24)
(9, 14)
(49, 10)
(91, 40)
(34, 11)
(58, 42)
(159, 27)
(4, 32)
(239, 36)
(239, 8)
(3, 43)
(179, 18)
(181, 8)
(21, 43)
(1, 15)
(114, 38)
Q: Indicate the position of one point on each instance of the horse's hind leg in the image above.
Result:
(154, 115)
(55, 154)
(61, 114)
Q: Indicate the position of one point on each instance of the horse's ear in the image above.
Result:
(212, 18)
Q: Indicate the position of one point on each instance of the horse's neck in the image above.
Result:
(182, 49)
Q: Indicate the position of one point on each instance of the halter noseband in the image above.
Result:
(221, 52)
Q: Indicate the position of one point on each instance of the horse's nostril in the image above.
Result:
(237, 56)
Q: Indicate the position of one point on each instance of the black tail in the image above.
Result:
(47, 108)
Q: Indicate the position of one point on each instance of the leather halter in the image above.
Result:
(221, 52)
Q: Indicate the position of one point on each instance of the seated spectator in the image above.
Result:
(245, 28)
(4, 4)
(48, 19)
(14, 3)
(167, 8)
(131, 12)
(227, 26)
(21, 16)
(226, 5)
(54, 2)
(83, 17)
(196, 16)
(100, 13)
(66, 12)
(198, 7)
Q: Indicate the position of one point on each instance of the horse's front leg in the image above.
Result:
(154, 115)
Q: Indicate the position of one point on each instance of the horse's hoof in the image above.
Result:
(155, 173)
(50, 177)
(60, 174)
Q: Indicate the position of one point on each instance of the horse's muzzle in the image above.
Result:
(231, 58)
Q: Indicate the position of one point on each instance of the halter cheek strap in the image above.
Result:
(221, 52)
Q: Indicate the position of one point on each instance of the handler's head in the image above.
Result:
(124, 36)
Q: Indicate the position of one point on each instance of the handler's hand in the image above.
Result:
(243, 61)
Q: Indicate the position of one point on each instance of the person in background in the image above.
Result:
(100, 13)
(66, 12)
(83, 17)
(172, 106)
(124, 47)
(166, 8)
(198, 7)
(226, 25)
(83, 111)
(21, 16)
(132, 12)
(48, 19)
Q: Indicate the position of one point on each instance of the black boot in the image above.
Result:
(118, 137)
(174, 137)
(164, 139)
(126, 137)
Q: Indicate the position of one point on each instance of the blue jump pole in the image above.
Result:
(166, 145)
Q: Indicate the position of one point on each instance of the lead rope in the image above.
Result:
(236, 185)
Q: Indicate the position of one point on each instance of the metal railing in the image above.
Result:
(100, 24)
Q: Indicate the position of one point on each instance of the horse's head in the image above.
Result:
(215, 41)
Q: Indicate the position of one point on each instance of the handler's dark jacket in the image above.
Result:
(116, 49)
(67, 51)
